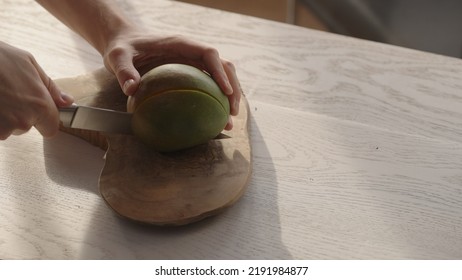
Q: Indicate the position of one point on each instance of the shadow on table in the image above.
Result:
(248, 230)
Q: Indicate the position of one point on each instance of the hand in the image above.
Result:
(130, 52)
(28, 97)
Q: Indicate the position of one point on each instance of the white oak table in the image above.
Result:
(357, 150)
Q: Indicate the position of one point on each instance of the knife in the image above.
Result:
(97, 119)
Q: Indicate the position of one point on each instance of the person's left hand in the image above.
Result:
(130, 51)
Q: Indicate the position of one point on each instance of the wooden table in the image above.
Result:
(357, 150)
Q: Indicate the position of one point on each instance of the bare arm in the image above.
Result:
(97, 21)
(126, 48)
(28, 97)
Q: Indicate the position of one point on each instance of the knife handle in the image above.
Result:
(66, 114)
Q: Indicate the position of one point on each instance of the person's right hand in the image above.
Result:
(28, 97)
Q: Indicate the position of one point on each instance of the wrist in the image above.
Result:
(109, 31)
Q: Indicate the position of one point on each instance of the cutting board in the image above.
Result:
(163, 188)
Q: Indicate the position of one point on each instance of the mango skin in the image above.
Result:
(176, 107)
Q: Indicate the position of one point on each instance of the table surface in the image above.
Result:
(357, 150)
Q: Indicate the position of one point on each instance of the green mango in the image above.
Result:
(176, 107)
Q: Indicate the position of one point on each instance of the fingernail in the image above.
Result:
(236, 106)
(128, 83)
(229, 89)
(67, 98)
(230, 124)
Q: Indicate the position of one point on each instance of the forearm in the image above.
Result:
(98, 21)
(126, 49)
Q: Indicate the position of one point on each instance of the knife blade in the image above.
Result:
(97, 119)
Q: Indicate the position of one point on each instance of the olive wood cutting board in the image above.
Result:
(163, 188)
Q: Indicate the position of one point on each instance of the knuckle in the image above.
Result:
(47, 124)
(115, 52)
(210, 51)
(50, 85)
(25, 58)
(29, 57)
(21, 122)
(23, 125)
(120, 70)
(228, 65)
(41, 105)
(14, 124)
(4, 134)
(176, 38)
(117, 59)
(25, 54)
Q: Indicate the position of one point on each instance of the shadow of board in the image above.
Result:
(250, 229)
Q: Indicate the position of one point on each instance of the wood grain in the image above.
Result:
(357, 150)
(155, 188)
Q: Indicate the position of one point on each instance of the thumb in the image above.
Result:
(120, 63)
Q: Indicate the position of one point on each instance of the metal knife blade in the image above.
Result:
(97, 119)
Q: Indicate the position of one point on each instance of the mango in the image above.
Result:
(176, 107)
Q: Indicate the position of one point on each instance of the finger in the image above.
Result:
(229, 124)
(60, 98)
(120, 62)
(5, 132)
(215, 67)
(235, 98)
(67, 100)
(17, 132)
(47, 122)
(15, 124)
(200, 54)
(222, 71)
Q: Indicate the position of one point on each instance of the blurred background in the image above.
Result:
(428, 25)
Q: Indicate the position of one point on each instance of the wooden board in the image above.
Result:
(163, 189)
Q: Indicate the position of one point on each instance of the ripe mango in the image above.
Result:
(176, 107)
